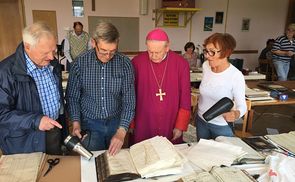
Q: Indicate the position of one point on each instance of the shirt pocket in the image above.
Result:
(115, 85)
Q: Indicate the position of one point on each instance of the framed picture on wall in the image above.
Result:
(245, 24)
(208, 23)
(219, 18)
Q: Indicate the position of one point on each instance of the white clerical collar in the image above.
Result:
(164, 57)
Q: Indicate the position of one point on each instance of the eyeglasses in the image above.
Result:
(210, 52)
(106, 53)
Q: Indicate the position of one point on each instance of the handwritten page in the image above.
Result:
(200, 177)
(156, 156)
(230, 174)
(121, 163)
(20, 167)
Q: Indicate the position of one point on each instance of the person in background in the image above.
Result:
(162, 85)
(31, 95)
(283, 50)
(100, 92)
(266, 52)
(190, 55)
(220, 79)
(76, 42)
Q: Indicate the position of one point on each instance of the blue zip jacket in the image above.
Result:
(20, 106)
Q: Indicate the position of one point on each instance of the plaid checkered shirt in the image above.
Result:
(46, 86)
(99, 90)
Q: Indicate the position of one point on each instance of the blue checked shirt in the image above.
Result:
(99, 90)
(47, 88)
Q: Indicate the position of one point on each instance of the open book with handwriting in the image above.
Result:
(219, 174)
(149, 158)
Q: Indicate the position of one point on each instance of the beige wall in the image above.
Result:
(268, 19)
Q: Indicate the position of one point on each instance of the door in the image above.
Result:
(12, 23)
(49, 17)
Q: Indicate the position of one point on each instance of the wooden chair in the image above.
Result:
(194, 104)
(269, 70)
(244, 132)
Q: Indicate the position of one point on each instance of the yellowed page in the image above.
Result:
(20, 167)
(121, 163)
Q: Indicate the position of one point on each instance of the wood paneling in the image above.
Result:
(11, 21)
(49, 17)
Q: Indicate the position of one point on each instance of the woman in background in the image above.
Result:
(190, 55)
(220, 79)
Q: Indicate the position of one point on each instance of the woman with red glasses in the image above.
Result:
(220, 79)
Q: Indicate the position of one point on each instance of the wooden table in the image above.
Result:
(253, 84)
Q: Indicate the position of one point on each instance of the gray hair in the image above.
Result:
(292, 26)
(107, 32)
(33, 33)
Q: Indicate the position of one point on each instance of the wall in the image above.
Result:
(268, 19)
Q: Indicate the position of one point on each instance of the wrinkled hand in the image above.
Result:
(176, 133)
(76, 129)
(231, 116)
(47, 123)
(117, 141)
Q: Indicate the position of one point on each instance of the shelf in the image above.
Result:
(186, 13)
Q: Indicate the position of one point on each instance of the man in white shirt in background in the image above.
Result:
(76, 42)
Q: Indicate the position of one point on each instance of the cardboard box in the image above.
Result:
(178, 3)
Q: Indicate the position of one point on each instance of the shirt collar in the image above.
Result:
(73, 33)
(31, 66)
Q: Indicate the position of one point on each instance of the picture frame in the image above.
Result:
(208, 24)
(219, 17)
(245, 24)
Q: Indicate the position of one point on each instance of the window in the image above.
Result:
(78, 8)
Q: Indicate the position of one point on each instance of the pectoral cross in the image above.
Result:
(160, 94)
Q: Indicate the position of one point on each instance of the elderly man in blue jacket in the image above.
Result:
(31, 95)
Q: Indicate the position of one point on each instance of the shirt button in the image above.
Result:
(101, 88)
(102, 107)
(102, 78)
(102, 98)
(102, 68)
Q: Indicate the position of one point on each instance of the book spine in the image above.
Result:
(102, 167)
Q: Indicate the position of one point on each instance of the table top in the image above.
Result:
(197, 76)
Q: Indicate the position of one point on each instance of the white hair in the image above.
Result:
(292, 26)
(33, 33)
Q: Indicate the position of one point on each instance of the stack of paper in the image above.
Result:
(257, 94)
(251, 156)
(208, 153)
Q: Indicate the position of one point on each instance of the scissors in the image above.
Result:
(52, 163)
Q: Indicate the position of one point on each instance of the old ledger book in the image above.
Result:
(153, 157)
(20, 167)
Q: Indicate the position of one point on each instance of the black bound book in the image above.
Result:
(104, 174)
(272, 86)
(259, 143)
